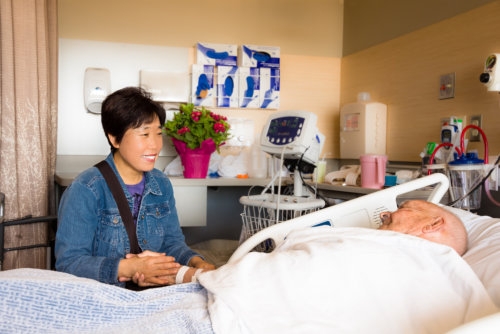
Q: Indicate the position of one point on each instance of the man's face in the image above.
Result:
(411, 217)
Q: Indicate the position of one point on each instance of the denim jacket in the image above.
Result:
(91, 238)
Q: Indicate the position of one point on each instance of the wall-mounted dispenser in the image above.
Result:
(97, 85)
(491, 75)
(363, 127)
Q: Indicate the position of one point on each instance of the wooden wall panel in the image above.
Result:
(404, 73)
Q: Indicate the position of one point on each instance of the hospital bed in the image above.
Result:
(351, 278)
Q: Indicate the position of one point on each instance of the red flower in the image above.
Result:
(183, 130)
(219, 127)
(218, 117)
(195, 116)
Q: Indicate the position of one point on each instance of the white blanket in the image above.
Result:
(346, 280)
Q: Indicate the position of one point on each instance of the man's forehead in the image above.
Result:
(418, 204)
(409, 204)
(428, 208)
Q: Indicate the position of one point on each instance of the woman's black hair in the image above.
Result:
(128, 108)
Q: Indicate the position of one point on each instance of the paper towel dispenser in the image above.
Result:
(166, 86)
(363, 128)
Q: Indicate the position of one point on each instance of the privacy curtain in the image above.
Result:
(28, 121)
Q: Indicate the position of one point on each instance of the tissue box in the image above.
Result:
(227, 86)
(202, 85)
(216, 54)
(249, 87)
(269, 88)
(259, 56)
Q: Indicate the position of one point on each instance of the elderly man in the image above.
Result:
(429, 221)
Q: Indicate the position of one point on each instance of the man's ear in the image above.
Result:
(434, 226)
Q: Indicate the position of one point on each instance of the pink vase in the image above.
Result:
(195, 161)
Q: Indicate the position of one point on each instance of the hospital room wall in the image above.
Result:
(309, 34)
(404, 73)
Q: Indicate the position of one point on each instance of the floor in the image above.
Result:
(216, 251)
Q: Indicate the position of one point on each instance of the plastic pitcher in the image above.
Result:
(465, 173)
(373, 170)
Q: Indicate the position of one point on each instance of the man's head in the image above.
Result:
(429, 221)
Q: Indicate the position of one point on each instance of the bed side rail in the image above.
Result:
(363, 211)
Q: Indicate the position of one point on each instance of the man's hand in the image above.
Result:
(198, 262)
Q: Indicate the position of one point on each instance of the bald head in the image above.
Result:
(429, 221)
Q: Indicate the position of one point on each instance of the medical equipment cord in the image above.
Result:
(314, 190)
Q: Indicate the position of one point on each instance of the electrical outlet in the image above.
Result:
(476, 120)
(447, 86)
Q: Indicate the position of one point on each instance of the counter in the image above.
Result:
(69, 166)
(345, 193)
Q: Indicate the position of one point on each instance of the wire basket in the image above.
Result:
(261, 211)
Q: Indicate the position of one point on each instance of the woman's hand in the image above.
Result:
(143, 254)
(148, 269)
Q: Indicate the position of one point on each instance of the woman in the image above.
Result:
(91, 239)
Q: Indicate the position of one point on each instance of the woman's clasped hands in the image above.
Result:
(149, 269)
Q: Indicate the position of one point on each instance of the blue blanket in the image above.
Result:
(36, 301)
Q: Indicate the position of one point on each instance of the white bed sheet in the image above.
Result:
(346, 280)
(483, 254)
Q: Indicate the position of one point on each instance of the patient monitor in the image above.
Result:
(293, 135)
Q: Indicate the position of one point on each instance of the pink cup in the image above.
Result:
(373, 170)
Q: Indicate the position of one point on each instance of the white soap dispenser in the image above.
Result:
(95, 89)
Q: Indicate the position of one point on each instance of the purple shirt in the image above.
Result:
(136, 191)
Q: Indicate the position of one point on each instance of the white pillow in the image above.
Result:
(483, 254)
